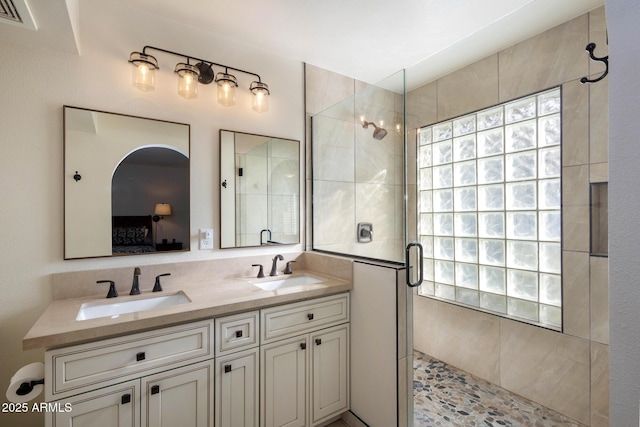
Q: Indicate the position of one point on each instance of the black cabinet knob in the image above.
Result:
(310, 316)
(140, 356)
(126, 398)
(318, 341)
(227, 369)
(155, 389)
(238, 334)
(303, 346)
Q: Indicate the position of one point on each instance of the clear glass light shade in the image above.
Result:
(187, 80)
(226, 89)
(144, 71)
(260, 98)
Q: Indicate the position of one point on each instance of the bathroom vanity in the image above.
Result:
(235, 355)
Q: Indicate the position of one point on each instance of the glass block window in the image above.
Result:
(489, 195)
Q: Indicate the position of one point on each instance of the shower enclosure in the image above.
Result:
(358, 155)
(363, 207)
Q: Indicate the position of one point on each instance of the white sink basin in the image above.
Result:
(271, 285)
(94, 310)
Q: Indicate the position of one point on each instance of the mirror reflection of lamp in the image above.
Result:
(161, 210)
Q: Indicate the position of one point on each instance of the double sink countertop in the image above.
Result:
(58, 326)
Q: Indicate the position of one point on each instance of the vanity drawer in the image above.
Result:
(298, 318)
(236, 332)
(75, 369)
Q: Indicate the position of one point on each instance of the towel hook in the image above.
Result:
(605, 59)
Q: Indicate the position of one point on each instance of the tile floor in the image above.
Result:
(446, 396)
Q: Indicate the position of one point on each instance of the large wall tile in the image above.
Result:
(575, 124)
(599, 172)
(469, 89)
(546, 367)
(375, 160)
(575, 228)
(325, 88)
(333, 158)
(549, 59)
(600, 299)
(575, 293)
(470, 340)
(599, 122)
(334, 219)
(599, 385)
(426, 324)
(422, 106)
(598, 35)
(575, 185)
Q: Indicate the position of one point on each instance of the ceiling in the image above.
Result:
(365, 39)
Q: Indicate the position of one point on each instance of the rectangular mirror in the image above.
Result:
(259, 190)
(126, 184)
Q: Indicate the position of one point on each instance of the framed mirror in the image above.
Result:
(126, 184)
(259, 190)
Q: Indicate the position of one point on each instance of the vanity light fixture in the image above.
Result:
(202, 72)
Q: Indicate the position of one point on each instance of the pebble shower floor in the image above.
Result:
(446, 396)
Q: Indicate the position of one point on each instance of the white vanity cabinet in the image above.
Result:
(116, 406)
(304, 360)
(284, 365)
(237, 379)
(146, 379)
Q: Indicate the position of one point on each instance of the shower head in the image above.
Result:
(378, 132)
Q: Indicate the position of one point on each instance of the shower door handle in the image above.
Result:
(408, 264)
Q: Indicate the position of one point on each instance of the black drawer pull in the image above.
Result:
(303, 346)
(227, 369)
(126, 398)
(155, 389)
(140, 356)
(310, 316)
(318, 341)
(238, 334)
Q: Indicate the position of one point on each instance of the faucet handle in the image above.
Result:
(287, 269)
(157, 287)
(260, 272)
(112, 288)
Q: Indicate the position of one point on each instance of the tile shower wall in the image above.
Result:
(356, 178)
(568, 371)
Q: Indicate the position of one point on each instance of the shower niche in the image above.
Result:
(599, 205)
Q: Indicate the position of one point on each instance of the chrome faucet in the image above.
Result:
(135, 286)
(274, 266)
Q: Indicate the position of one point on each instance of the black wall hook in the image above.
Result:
(605, 59)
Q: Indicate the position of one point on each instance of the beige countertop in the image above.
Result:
(58, 325)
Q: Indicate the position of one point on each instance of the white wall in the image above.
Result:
(623, 17)
(36, 83)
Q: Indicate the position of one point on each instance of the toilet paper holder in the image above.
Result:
(27, 387)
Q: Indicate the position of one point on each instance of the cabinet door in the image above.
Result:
(329, 377)
(237, 390)
(283, 367)
(115, 406)
(180, 397)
